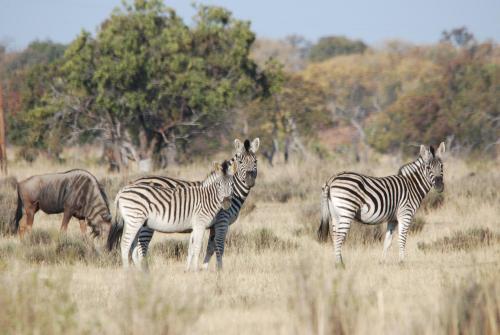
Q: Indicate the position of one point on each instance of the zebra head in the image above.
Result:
(225, 182)
(433, 160)
(247, 160)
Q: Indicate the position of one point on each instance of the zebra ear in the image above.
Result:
(238, 146)
(440, 151)
(425, 154)
(255, 145)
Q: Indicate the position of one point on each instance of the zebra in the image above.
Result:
(244, 180)
(171, 211)
(349, 196)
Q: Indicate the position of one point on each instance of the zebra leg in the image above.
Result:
(220, 239)
(143, 239)
(190, 251)
(344, 224)
(210, 248)
(195, 241)
(404, 225)
(388, 238)
(130, 230)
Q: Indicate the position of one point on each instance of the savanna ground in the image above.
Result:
(277, 278)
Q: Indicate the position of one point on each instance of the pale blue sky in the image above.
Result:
(419, 21)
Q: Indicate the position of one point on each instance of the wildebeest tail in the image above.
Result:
(324, 227)
(14, 223)
(116, 231)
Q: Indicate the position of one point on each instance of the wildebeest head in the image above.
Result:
(100, 218)
(100, 224)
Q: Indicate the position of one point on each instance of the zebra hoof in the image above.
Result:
(340, 265)
(204, 267)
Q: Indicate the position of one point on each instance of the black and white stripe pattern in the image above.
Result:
(244, 180)
(173, 210)
(349, 196)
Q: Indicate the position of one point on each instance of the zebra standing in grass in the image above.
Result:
(171, 211)
(349, 196)
(244, 180)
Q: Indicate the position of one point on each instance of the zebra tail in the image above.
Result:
(324, 227)
(116, 231)
(14, 223)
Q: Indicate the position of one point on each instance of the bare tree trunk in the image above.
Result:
(3, 149)
(146, 151)
(269, 154)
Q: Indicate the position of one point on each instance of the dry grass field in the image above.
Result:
(277, 278)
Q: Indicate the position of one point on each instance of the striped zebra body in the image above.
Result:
(243, 181)
(173, 210)
(349, 196)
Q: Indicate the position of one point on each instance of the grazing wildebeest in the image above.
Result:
(75, 193)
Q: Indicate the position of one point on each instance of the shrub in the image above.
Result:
(462, 240)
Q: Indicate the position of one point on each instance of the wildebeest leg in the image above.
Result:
(26, 221)
(83, 227)
(66, 217)
(30, 215)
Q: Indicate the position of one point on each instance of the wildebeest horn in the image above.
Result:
(106, 216)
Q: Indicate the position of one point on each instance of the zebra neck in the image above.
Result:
(210, 179)
(213, 200)
(241, 190)
(415, 172)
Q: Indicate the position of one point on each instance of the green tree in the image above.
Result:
(460, 104)
(331, 46)
(292, 114)
(148, 84)
(26, 78)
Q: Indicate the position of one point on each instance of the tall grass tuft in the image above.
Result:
(170, 249)
(8, 203)
(50, 247)
(462, 240)
(257, 240)
(145, 307)
(324, 304)
(32, 304)
(472, 308)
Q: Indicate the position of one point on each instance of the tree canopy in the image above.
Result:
(331, 46)
(147, 82)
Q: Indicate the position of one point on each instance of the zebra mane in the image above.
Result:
(210, 178)
(411, 167)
